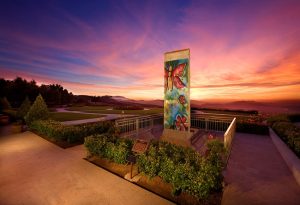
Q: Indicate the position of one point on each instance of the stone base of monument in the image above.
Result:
(182, 138)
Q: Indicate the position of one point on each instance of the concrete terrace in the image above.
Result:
(35, 171)
(257, 174)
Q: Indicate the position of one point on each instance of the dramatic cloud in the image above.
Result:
(239, 49)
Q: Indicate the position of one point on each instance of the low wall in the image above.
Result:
(287, 154)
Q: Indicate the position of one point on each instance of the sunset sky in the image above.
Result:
(240, 50)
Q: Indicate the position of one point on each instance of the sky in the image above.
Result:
(240, 50)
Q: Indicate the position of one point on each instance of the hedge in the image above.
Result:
(113, 148)
(252, 128)
(290, 134)
(278, 118)
(71, 134)
(182, 167)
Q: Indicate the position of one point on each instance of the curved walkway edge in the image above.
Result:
(292, 161)
(257, 174)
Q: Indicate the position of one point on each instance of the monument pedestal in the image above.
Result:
(182, 138)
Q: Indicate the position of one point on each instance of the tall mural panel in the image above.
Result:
(177, 90)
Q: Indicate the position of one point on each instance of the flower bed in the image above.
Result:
(183, 169)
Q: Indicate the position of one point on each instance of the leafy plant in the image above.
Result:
(71, 134)
(115, 149)
(290, 134)
(184, 168)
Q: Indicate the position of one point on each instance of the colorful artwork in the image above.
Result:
(176, 104)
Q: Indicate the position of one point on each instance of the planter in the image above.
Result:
(155, 185)
(290, 158)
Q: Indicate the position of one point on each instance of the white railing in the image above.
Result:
(214, 122)
(134, 125)
(229, 134)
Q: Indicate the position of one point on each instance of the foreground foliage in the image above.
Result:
(109, 146)
(182, 167)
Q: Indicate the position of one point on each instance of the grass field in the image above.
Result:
(67, 116)
(104, 110)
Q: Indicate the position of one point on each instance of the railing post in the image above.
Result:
(206, 124)
(137, 126)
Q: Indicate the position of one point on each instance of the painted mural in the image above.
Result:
(176, 101)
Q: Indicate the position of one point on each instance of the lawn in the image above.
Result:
(109, 110)
(68, 116)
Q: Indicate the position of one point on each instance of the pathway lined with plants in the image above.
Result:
(35, 171)
(257, 174)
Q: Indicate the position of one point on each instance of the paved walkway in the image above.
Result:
(34, 171)
(257, 174)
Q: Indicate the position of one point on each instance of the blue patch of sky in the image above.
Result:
(60, 74)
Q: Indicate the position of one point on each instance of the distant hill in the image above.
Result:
(286, 106)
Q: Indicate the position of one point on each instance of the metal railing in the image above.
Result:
(213, 122)
(135, 125)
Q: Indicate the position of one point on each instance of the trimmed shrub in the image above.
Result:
(290, 134)
(38, 111)
(106, 146)
(24, 108)
(72, 134)
(278, 118)
(184, 168)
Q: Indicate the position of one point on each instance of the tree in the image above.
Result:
(38, 111)
(24, 108)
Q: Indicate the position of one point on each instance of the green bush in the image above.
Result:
(71, 134)
(278, 118)
(290, 134)
(252, 128)
(184, 168)
(38, 111)
(110, 147)
(23, 109)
